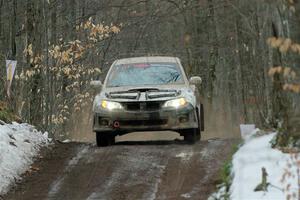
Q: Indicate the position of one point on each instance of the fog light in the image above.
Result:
(103, 122)
(183, 119)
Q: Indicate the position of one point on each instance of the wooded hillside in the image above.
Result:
(61, 45)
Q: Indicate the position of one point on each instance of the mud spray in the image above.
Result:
(218, 124)
(79, 127)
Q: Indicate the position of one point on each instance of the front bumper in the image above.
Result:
(123, 122)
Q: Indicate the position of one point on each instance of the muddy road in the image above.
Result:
(128, 170)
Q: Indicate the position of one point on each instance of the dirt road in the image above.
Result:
(128, 170)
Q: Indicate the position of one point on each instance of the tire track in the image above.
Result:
(127, 171)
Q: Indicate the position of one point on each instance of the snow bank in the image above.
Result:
(247, 131)
(248, 162)
(19, 144)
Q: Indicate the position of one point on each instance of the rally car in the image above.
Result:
(147, 94)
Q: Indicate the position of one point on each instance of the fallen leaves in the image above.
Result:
(32, 169)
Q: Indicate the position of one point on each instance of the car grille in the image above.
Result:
(142, 106)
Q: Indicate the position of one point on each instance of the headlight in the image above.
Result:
(175, 103)
(110, 105)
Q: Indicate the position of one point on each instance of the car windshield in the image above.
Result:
(144, 74)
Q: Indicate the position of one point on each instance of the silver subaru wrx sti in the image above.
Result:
(147, 94)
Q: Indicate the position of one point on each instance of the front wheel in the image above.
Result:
(198, 134)
(190, 135)
(104, 139)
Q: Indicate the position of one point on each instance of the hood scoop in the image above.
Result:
(162, 94)
(123, 95)
(143, 89)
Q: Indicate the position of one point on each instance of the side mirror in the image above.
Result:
(195, 80)
(96, 84)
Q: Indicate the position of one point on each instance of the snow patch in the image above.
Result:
(247, 130)
(155, 187)
(75, 159)
(186, 196)
(206, 153)
(248, 162)
(56, 185)
(19, 144)
(185, 156)
(219, 195)
(67, 141)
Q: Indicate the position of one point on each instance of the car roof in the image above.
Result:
(148, 59)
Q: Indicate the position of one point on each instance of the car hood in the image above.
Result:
(145, 93)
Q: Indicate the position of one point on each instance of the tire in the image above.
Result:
(190, 135)
(104, 139)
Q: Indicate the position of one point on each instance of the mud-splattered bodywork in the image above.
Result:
(142, 108)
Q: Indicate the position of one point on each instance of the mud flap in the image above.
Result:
(202, 116)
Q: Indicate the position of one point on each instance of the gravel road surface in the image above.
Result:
(128, 170)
